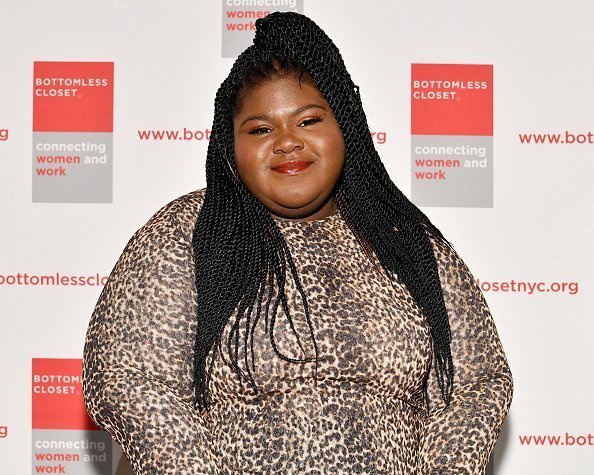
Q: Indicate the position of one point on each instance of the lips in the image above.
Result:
(292, 167)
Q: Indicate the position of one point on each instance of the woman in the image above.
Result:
(376, 352)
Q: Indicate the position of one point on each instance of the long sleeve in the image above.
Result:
(459, 440)
(137, 356)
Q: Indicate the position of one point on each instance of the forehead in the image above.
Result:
(277, 94)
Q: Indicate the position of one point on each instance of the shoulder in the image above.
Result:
(442, 248)
(172, 222)
(453, 270)
(160, 241)
(178, 215)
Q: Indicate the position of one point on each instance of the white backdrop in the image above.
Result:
(168, 65)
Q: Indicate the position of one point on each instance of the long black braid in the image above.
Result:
(239, 251)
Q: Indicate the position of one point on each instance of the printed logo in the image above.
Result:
(72, 132)
(65, 439)
(452, 135)
(239, 21)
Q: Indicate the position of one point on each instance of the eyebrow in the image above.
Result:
(293, 114)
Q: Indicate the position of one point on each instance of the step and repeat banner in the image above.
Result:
(483, 116)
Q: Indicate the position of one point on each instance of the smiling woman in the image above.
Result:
(289, 149)
(299, 315)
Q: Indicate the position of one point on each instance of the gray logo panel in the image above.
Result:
(452, 170)
(239, 21)
(77, 452)
(72, 167)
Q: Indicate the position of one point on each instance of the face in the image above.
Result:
(289, 149)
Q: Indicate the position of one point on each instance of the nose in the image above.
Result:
(286, 142)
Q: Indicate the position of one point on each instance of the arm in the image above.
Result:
(459, 440)
(137, 359)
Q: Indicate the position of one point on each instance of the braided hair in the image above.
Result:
(238, 249)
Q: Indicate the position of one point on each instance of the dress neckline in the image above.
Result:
(312, 222)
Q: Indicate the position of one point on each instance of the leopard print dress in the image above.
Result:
(363, 414)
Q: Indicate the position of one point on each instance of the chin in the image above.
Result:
(287, 206)
(296, 197)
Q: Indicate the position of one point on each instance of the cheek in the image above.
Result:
(340, 144)
(251, 163)
(245, 157)
(333, 145)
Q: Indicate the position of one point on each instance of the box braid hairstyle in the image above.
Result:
(237, 247)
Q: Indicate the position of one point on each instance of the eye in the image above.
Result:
(311, 121)
(259, 131)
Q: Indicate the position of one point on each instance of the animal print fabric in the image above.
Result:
(365, 415)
